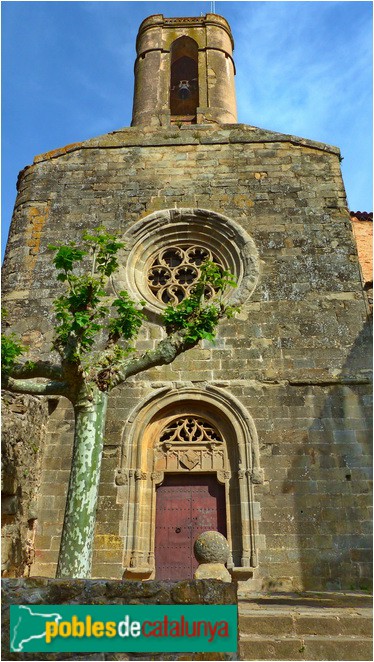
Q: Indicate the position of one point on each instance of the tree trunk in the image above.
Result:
(75, 557)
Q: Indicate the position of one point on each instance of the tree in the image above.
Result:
(94, 338)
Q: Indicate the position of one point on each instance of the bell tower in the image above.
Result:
(184, 72)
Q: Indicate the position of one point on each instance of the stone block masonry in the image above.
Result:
(306, 626)
(295, 357)
(86, 592)
(24, 421)
(363, 232)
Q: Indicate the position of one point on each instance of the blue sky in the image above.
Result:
(303, 68)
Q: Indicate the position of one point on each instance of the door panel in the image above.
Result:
(186, 505)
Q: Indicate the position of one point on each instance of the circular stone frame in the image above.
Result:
(234, 248)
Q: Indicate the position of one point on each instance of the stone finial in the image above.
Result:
(212, 550)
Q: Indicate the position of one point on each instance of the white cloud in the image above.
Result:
(303, 69)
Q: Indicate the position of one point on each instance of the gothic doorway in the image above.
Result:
(185, 507)
(187, 435)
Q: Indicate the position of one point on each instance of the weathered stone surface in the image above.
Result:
(213, 571)
(202, 592)
(211, 547)
(58, 591)
(23, 435)
(305, 626)
(156, 38)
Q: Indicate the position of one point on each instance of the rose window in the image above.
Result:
(190, 429)
(161, 263)
(173, 273)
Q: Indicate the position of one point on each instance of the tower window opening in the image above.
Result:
(184, 88)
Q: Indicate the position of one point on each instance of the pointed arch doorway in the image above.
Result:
(187, 432)
(186, 506)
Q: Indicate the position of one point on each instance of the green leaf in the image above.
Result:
(105, 247)
(66, 256)
(129, 318)
(197, 316)
(11, 348)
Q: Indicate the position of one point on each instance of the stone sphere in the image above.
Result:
(211, 547)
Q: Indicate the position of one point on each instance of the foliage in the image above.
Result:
(11, 348)
(196, 314)
(96, 327)
(129, 319)
(85, 310)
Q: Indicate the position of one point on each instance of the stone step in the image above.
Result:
(312, 647)
(322, 599)
(302, 623)
(305, 627)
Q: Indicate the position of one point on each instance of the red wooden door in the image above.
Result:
(186, 505)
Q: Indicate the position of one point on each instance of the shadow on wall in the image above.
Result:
(330, 480)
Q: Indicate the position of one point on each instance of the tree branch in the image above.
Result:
(31, 369)
(166, 351)
(35, 388)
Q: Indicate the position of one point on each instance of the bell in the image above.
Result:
(184, 90)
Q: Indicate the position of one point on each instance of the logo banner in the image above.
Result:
(121, 628)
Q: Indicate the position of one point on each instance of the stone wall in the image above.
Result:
(363, 232)
(40, 591)
(362, 225)
(295, 358)
(23, 436)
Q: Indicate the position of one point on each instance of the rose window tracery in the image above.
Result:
(161, 263)
(190, 429)
(174, 271)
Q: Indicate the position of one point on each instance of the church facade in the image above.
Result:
(263, 434)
